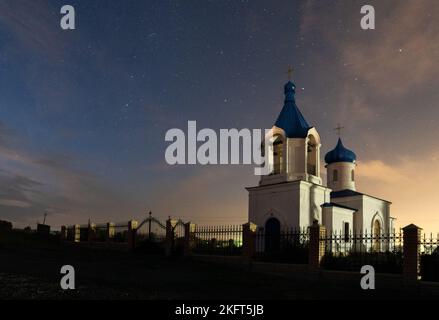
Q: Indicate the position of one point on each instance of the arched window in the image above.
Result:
(377, 235)
(278, 152)
(353, 175)
(335, 175)
(312, 162)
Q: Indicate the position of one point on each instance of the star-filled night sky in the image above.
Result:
(83, 113)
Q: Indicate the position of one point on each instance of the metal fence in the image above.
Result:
(101, 231)
(352, 251)
(288, 245)
(151, 230)
(218, 240)
(120, 232)
(151, 235)
(429, 247)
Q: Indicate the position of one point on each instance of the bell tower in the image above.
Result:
(292, 194)
(295, 145)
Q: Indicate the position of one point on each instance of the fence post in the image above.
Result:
(76, 233)
(169, 241)
(317, 233)
(189, 229)
(248, 239)
(110, 231)
(91, 233)
(411, 253)
(132, 228)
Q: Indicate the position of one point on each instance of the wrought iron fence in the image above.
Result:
(429, 247)
(151, 235)
(288, 245)
(218, 240)
(101, 231)
(120, 232)
(151, 230)
(352, 251)
(83, 231)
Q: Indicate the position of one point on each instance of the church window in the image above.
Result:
(278, 147)
(335, 175)
(352, 175)
(377, 235)
(312, 156)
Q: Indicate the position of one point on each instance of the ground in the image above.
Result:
(33, 272)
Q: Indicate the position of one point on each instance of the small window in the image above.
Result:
(346, 231)
(335, 175)
(278, 155)
(353, 175)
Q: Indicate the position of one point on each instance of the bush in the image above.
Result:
(5, 225)
(430, 267)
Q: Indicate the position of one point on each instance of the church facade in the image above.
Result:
(293, 194)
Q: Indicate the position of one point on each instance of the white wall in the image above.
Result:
(344, 180)
(369, 208)
(294, 204)
(334, 219)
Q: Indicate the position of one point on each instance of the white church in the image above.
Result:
(293, 195)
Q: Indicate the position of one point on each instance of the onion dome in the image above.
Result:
(340, 154)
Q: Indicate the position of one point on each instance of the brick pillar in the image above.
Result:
(63, 234)
(411, 253)
(316, 246)
(248, 239)
(169, 240)
(132, 230)
(76, 233)
(91, 233)
(110, 231)
(189, 238)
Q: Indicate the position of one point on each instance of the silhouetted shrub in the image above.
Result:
(5, 226)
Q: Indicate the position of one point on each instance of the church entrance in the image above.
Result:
(272, 235)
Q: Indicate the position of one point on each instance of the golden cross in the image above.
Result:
(338, 129)
(290, 72)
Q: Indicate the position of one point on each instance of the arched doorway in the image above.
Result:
(376, 235)
(272, 235)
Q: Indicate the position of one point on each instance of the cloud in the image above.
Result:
(401, 56)
(409, 183)
(33, 25)
(212, 195)
(14, 203)
(377, 170)
(32, 183)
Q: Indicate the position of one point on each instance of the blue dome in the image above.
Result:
(291, 119)
(340, 154)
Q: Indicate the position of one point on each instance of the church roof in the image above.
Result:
(340, 154)
(332, 204)
(290, 118)
(352, 193)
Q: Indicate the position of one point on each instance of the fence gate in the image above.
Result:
(178, 232)
(151, 235)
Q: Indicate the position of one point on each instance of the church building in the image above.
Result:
(293, 194)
